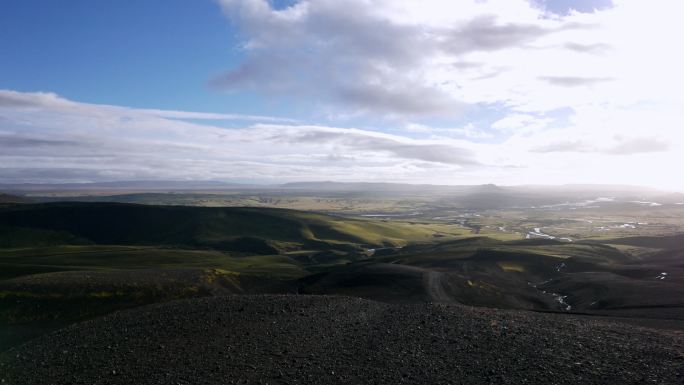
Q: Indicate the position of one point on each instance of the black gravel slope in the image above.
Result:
(337, 340)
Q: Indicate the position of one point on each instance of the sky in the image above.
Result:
(509, 92)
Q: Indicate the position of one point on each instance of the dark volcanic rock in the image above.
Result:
(336, 340)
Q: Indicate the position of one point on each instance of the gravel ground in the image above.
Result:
(338, 340)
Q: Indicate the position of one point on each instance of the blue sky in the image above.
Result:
(433, 91)
(148, 54)
(562, 7)
(152, 53)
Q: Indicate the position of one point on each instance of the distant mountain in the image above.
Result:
(137, 185)
(7, 198)
(311, 187)
(488, 188)
(456, 196)
(354, 186)
(328, 186)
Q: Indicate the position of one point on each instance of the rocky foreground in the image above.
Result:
(338, 340)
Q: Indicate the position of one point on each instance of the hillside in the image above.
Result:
(62, 263)
(249, 230)
(547, 275)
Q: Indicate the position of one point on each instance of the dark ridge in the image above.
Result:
(223, 228)
(8, 198)
(671, 242)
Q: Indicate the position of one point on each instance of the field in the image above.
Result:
(65, 262)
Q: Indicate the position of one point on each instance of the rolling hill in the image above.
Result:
(65, 262)
(249, 230)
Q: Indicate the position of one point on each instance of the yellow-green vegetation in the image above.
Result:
(511, 267)
(29, 261)
(395, 233)
(306, 202)
(280, 243)
(105, 294)
(634, 250)
(217, 228)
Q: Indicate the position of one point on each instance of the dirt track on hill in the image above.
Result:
(434, 285)
(338, 340)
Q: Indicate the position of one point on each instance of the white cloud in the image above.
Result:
(618, 146)
(48, 138)
(419, 59)
(52, 139)
(50, 101)
(393, 58)
(521, 123)
(433, 57)
(615, 73)
(469, 131)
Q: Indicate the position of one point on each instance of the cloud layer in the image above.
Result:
(612, 68)
(402, 58)
(431, 91)
(48, 138)
(417, 59)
